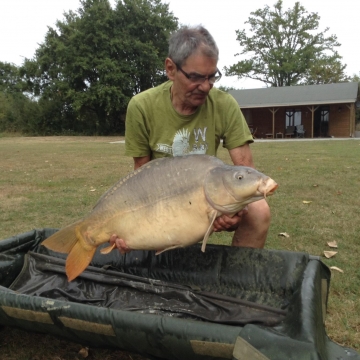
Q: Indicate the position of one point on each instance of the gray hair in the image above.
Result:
(189, 40)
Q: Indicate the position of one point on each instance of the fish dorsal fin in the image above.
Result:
(209, 230)
(78, 260)
(63, 240)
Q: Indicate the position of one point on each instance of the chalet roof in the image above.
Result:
(297, 95)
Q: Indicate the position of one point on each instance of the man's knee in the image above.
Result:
(261, 213)
(253, 229)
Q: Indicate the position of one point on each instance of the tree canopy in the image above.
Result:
(10, 79)
(286, 48)
(95, 59)
(17, 110)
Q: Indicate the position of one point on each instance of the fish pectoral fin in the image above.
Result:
(169, 248)
(78, 260)
(108, 249)
(209, 231)
(63, 240)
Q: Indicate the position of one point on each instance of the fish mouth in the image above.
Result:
(267, 187)
(272, 190)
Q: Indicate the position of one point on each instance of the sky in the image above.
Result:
(24, 23)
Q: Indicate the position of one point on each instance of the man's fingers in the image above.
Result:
(112, 239)
(225, 222)
(120, 244)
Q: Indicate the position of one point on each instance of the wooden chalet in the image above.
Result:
(309, 111)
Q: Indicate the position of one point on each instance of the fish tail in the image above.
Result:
(71, 241)
(63, 240)
(78, 259)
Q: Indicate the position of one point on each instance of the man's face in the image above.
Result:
(192, 93)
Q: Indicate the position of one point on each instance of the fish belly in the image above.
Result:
(177, 222)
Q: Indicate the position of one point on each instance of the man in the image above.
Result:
(186, 115)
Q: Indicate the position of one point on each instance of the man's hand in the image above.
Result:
(120, 244)
(227, 223)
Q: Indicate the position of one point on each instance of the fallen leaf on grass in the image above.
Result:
(332, 244)
(284, 234)
(84, 352)
(92, 189)
(307, 202)
(330, 254)
(337, 269)
(315, 185)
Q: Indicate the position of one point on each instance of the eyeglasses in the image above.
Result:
(199, 79)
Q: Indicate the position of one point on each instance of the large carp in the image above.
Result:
(165, 204)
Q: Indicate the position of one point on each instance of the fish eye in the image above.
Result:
(239, 177)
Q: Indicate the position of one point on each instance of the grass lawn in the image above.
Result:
(52, 181)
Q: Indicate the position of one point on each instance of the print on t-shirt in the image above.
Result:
(181, 143)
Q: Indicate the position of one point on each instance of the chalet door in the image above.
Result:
(321, 122)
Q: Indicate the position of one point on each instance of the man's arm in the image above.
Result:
(242, 156)
(140, 161)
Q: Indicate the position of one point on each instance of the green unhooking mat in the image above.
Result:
(226, 303)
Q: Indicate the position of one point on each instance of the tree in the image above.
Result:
(326, 70)
(285, 49)
(17, 111)
(10, 79)
(96, 59)
(226, 88)
(356, 78)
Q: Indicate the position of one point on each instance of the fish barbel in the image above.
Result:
(165, 204)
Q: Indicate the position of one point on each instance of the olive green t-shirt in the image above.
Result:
(154, 127)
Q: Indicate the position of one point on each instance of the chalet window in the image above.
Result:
(324, 113)
(293, 117)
